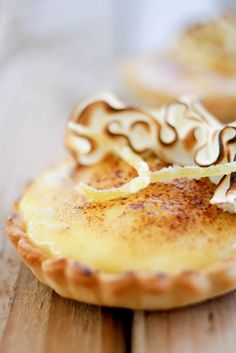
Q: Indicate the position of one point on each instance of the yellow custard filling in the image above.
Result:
(165, 227)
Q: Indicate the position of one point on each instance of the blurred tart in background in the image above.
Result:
(202, 61)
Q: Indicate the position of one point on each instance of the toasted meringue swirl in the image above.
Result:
(182, 133)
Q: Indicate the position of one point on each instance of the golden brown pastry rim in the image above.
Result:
(222, 106)
(135, 290)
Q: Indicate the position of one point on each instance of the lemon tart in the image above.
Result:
(142, 213)
(201, 61)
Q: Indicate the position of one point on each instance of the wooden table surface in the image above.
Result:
(39, 85)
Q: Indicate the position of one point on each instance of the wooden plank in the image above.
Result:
(34, 316)
(209, 327)
(91, 329)
(39, 87)
(9, 267)
(27, 321)
(41, 320)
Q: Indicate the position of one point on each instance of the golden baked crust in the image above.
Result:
(153, 289)
(136, 290)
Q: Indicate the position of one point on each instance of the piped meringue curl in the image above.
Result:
(183, 134)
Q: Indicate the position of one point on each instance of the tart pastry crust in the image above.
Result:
(136, 290)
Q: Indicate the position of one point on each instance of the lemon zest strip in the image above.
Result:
(163, 175)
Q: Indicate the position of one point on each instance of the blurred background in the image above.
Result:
(55, 52)
(73, 47)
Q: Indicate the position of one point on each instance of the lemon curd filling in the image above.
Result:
(165, 227)
(126, 201)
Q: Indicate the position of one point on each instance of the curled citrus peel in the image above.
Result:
(133, 186)
(126, 154)
(163, 175)
(182, 134)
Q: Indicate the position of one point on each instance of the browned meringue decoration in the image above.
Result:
(182, 134)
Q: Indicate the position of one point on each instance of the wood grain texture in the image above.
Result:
(40, 82)
(207, 327)
(42, 76)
